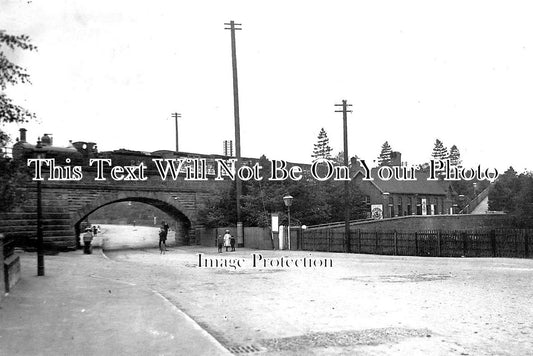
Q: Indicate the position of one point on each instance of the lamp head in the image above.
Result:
(287, 200)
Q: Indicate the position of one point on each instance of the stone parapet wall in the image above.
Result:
(429, 222)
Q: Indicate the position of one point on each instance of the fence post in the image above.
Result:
(493, 242)
(416, 243)
(438, 243)
(3, 281)
(329, 240)
(359, 240)
(515, 243)
(395, 243)
(464, 243)
(376, 247)
(348, 242)
(526, 244)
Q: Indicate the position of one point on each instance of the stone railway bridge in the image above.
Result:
(65, 204)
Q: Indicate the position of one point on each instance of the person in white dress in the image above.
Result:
(227, 240)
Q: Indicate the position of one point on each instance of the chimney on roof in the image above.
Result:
(228, 148)
(396, 158)
(22, 135)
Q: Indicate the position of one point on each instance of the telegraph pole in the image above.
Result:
(176, 116)
(345, 112)
(236, 27)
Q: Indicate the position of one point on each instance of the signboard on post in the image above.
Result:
(275, 222)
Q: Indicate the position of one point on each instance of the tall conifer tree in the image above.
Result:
(385, 157)
(455, 156)
(439, 151)
(322, 148)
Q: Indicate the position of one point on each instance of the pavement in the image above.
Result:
(75, 309)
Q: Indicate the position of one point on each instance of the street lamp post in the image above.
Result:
(288, 202)
(39, 153)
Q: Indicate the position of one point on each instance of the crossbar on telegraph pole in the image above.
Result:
(232, 26)
(345, 112)
(176, 116)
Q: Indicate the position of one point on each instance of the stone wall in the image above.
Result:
(430, 222)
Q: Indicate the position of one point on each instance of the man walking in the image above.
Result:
(162, 241)
(165, 228)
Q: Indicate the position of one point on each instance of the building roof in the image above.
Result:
(419, 186)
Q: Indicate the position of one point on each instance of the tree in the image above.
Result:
(315, 202)
(385, 157)
(502, 193)
(322, 148)
(523, 212)
(455, 156)
(338, 159)
(439, 151)
(11, 74)
(513, 194)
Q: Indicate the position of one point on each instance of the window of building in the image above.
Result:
(418, 206)
(400, 207)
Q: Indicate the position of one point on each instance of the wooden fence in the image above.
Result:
(482, 243)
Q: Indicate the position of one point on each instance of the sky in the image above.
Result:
(113, 71)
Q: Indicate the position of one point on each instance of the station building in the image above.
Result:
(393, 197)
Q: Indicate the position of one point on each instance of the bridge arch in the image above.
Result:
(67, 202)
(172, 205)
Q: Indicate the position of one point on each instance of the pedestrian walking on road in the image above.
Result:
(87, 239)
(162, 241)
(227, 240)
(220, 243)
(165, 228)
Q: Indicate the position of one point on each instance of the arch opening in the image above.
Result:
(179, 223)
